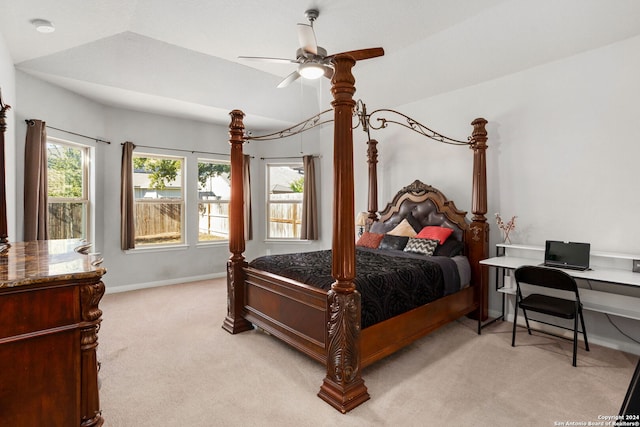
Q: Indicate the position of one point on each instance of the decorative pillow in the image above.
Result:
(393, 242)
(436, 233)
(450, 248)
(377, 227)
(415, 224)
(403, 229)
(421, 246)
(369, 240)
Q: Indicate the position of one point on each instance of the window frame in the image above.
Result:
(182, 201)
(269, 201)
(86, 163)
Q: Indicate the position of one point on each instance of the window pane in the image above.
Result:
(67, 220)
(65, 173)
(68, 203)
(213, 221)
(158, 223)
(286, 185)
(214, 190)
(159, 203)
(285, 220)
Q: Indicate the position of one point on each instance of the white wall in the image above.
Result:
(142, 268)
(8, 87)
(65, 110)
(563, 155)
(568, 125)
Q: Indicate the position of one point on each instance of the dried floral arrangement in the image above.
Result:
(506, 227)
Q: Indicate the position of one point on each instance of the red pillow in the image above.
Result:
(435, 233)
(370, 240)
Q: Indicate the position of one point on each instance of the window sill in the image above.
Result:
(289, 241)
(217, 244)
(159, 248)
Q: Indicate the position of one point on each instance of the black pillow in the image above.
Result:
(377, 227)
(415, 224)
(450, 248)
(393, 242)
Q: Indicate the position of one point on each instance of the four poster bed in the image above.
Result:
(329, 320)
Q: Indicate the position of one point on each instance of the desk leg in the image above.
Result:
(498, 282)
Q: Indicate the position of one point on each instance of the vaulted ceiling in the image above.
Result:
(180, 57)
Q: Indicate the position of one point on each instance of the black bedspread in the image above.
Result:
(390, 282)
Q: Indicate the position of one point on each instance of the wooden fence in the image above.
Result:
(158, 222)
(66, 220)
(213, 220)
(285, 220)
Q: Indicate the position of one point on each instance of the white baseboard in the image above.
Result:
(136, 286)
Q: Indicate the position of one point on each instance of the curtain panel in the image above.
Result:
(127, 221)
(36, 215)
(309, 202)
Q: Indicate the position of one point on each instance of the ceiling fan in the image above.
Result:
(313, 61)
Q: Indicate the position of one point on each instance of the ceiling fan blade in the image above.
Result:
(307, 38)
(266, 59)
(289, 79)
(361, 54)
(328, 72)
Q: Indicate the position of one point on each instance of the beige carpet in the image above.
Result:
(166, 361)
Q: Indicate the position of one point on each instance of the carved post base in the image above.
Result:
(343, 388)
(479, 250)
(90, 296)
(236, 326)
(341, 398)
(234, 323)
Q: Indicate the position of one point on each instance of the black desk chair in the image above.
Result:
(549, 305)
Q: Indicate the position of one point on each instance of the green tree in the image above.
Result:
(64, 164)
(161, 171)
(209, 170)
(297, 186)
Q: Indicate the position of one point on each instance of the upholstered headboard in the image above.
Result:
(427, 205)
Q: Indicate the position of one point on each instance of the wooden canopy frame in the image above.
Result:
(4, 237)
(326, 325)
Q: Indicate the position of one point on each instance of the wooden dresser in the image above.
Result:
(49, 322)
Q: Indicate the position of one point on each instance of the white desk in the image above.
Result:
(600, 301)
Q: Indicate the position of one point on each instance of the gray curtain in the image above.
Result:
(246, 177)
(36, 215)
(127, 222)
(309, 202)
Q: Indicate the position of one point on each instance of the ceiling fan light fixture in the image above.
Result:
(43, 26)
(311, 71)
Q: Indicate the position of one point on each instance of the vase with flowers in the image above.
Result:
(506, 227)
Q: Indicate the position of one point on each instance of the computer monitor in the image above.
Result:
(567, 254)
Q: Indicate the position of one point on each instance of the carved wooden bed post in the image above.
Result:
(479, 244)
(343, 387)
(372, 160)
(3, 194)
(235, 322)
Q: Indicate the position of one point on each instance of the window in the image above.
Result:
(214, 190)
(159, 200)
(68, 190)
(284, 204)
